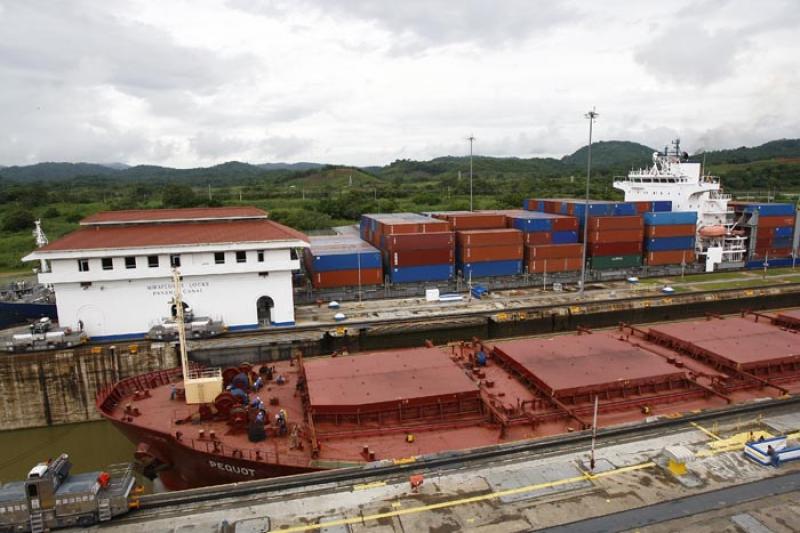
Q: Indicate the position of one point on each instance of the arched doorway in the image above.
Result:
(264, 307)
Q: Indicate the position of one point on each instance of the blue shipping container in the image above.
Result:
(670, 218)
(487, 269)
(661, 206)
(784, 232)
(624, 209)
(769, 210)
(327, 262)
(669, 243)
(564, 237)
(787, 262)
(532, 224)
(785, 242)
(596, 209)
(413, 274)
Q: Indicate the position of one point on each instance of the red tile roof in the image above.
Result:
(134, 216)
(178, 233)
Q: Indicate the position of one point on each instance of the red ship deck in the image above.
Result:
(790, 319)
(402, 403)
(586, 364)
(739, 343)
(385, 381)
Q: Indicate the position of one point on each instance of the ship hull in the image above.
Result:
(15, 313)
(180, 466)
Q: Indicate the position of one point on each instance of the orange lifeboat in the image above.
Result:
(713, 231)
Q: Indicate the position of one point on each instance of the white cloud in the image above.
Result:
(191, 83)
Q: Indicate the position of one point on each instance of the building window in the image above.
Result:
(241, 257)
(83, 265)
(175, 261)
(108, 263)
(261, 256)
(130, 262)
(293, 254)
(152, 261)
(219, 258)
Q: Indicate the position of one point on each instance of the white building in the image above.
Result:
(113, 274)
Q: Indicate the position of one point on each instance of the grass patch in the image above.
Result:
(742, 284)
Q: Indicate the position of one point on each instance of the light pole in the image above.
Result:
(591, 115)
(471, 139)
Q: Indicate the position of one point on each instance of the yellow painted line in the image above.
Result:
(707, 432)
(373, 485)
(464, 501)
(405, 460)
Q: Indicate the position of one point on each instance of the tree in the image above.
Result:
(18, 219)
(175, 195)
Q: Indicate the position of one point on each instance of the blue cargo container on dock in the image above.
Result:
(485, 269)
(414, 274)
(663, 244)
(564, 237)
(670, 218)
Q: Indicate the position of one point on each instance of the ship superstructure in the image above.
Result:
(672, 177)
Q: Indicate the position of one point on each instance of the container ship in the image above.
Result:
(721, 238)
(195, 426)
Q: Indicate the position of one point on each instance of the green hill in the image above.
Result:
(55, 171)
(780, 149)
(621, 155)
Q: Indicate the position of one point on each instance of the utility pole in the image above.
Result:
(594, 433)
(591, 115)
(471, 139)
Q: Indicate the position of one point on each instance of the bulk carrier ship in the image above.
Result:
(197, 426)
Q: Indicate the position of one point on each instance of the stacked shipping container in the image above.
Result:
(615, 241)
(772, 230)
(342, 261)
(415, 248)
(550, 241)
(669, 238)
(490, 252)
(484, 246)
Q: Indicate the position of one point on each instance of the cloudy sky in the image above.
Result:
(190, 83)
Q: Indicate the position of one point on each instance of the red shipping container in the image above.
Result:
(675, 230)
(669, 257)
(472, 221)
(615, 248)
(643, 207)
(565, 223)
(347, 278)
(775, 222)
(491, 253)
(617, 236)
(404, 228)
(615, 223)
(537, 237)
(489, 237)
(405, 258)
(762, 253)
(419, 241)
(539, 266)
(554, 251)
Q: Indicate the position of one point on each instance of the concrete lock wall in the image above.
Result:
(59, 387)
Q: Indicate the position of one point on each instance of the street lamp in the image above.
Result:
(591, 115)
(471, 139)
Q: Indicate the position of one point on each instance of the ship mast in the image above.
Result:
(200, 386)
(179, 322)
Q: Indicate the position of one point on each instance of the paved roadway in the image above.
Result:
(684, 507)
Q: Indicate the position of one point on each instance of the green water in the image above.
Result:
(90, 445)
